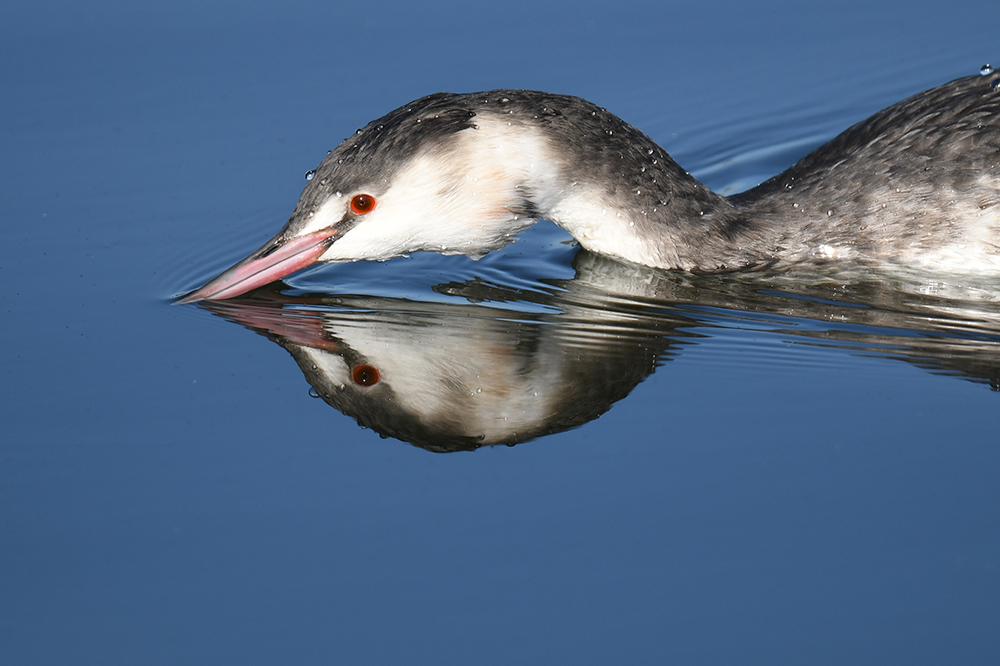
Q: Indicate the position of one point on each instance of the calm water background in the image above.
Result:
(169, 493)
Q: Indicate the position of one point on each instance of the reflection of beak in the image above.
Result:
(283, 324)
(275, 259)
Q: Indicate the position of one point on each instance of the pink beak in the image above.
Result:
(274, 260)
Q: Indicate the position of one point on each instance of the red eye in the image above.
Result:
(362, 203)
(365, 375)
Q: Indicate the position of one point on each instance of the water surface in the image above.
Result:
(750, 472)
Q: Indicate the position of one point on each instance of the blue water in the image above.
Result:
(783, 473)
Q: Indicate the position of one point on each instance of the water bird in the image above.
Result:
(915, 186)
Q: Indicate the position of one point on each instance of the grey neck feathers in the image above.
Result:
(622, 194)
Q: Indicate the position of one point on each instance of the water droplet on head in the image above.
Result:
(313, 393)
(986, 69)
(994, 84)
(310, 174)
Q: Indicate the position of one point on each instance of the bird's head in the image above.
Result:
(447, 173)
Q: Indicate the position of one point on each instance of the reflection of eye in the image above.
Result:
(365, 375)
(362, 203)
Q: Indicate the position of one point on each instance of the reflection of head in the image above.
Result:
(444, 387)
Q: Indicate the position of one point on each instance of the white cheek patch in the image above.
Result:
(459, 197)
(410, 216)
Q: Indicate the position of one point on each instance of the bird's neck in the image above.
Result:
(615, 190)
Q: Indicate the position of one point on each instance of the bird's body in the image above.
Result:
(917, 185)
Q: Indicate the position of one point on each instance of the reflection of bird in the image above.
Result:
(496, 364)
(459, 376)
(916, 185)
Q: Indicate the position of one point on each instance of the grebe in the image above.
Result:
(917, 185)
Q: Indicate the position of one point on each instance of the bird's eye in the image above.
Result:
(362, 203)
(365, 375)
